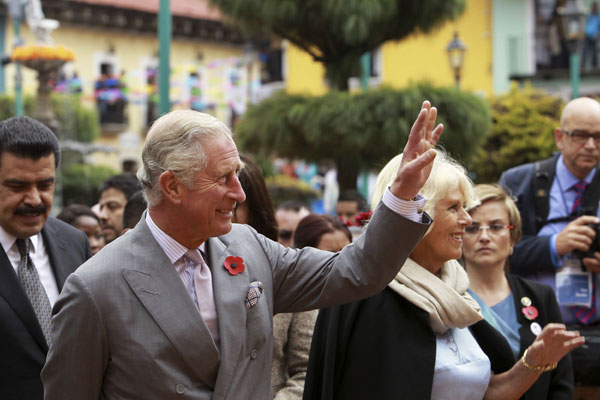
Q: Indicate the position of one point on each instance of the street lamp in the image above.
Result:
(572, 16)
(456, 56)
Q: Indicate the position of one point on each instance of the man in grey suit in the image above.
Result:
(37, 253)
(182, 305)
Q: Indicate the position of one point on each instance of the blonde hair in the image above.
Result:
(175, 143)
(445, 173)
(494, 192)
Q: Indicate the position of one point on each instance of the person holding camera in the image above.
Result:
(558, 200)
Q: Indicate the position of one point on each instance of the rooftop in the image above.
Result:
(197, 9)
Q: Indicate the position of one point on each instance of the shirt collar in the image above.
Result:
(7, 240)
(172, 248)
(566, 178)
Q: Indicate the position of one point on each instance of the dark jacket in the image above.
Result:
(23, 348)
(383, 348)
(532, 253)
(556, 384)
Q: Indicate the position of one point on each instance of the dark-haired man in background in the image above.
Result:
(37, 253)
(349, 205)
(114, 194)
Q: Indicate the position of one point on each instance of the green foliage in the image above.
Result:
(338, 32)
(76, 121)
(523, 132)
(359, 131)
(80, 183)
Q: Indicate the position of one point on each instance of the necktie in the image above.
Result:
(30, 280)
(579, 189)
(198, 280)
(583, 314)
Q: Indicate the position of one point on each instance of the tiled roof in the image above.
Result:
(197, 9)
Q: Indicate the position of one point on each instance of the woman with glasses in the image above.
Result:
(423, 337)
(516, 307)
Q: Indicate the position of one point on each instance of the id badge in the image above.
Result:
(573, 285)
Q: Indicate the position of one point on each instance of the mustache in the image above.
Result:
(41, 209)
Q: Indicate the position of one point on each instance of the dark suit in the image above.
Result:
(557, 384)
(22, 345)
(532, 252)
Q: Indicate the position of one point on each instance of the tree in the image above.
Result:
(338, 32)
(523, 132)
(359, 131)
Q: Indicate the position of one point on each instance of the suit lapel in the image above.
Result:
(161, 291)
(57, 253)
(14, 295)
(230, 292)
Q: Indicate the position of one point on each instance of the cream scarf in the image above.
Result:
(445, 299)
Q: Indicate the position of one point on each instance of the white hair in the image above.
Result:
(175, 143)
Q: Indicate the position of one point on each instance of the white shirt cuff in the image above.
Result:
(411, 209)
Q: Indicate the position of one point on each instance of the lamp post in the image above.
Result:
(456, 56)
(164, 56)
(572, 16)
(16, 12)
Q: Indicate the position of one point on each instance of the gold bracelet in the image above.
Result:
(537, 368)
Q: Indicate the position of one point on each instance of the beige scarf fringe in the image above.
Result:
(445, 299)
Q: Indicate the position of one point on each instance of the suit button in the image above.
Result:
(180, 389)
(253, 354)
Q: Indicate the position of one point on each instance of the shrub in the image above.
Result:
(359, 131)
(523, 131)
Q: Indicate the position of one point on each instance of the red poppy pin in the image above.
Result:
(530, 312)
(235, 265)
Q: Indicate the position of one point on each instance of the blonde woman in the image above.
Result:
(423, 337)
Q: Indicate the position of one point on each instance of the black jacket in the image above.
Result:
(383, 348)
(557, 384)
(23, 348)
(532, 253)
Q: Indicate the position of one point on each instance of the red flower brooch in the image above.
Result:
(530, 312)
(360, 219)
(235, 265)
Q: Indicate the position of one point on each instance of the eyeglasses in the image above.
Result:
(580, 136)
(493, 229)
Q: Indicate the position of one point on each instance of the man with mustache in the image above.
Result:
(37, 253)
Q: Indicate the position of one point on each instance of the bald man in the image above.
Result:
(558, 229)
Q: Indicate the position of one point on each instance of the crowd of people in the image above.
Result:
(187, 280)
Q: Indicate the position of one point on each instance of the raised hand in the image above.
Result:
(553, 344)
(418, 154)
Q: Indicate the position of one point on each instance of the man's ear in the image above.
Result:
(170, 187)
(558, 137)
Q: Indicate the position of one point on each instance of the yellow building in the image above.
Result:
(212, 68)
(417, 58)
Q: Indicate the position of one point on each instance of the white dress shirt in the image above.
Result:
(39, 257)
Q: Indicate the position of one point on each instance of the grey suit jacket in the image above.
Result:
(22, 345)
(138, 335)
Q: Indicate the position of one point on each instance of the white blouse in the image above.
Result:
(462, 370)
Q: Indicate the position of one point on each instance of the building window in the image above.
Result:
(110, 92)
